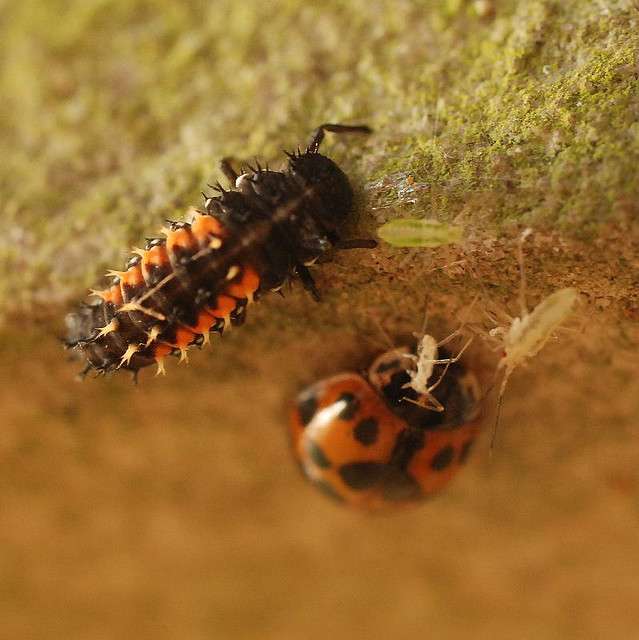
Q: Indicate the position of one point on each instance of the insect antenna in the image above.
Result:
(500, 402)
(378, 324)
(522, 271)
(425, 321)
(493, 436)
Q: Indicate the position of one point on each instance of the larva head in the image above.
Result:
(230, 205)
(270, 186)
(328, 183)
(81, 323)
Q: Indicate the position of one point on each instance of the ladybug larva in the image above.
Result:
(201, 276)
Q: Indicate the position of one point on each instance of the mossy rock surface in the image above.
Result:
(172, 509)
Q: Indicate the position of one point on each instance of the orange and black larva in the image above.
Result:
(363, 441)
(202, 275)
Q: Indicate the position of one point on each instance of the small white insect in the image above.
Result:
(528, 334)
(423, 365)
(419, 367)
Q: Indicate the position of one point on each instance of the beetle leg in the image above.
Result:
(307, 281)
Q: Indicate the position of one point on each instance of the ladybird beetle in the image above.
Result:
(201, 276)
(368, 441)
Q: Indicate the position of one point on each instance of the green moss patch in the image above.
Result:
(115, 113)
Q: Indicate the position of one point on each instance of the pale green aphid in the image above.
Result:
(527, 335)
(419, 232)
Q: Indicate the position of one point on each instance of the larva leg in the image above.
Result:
(355, 243)
(318, 135)
(307, 281)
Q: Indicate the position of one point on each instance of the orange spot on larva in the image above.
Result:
(132, 277)
(204, 323)
(155, 256)
(114, 295)
(162, 349)
(203, 227)
(223, 307)
(180, 239)
(183, 337)
(247, 285)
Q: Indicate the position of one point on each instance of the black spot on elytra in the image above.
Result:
(366, 431)
(465, 450)
(399, 486)
(402, 400)
(362, 475)
(328, 490)
(407, 444)
(352, 405)
(442, 458)
(316, 454)
(429, 420)
(387, 366)
(307, 406)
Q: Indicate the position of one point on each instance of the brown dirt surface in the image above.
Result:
(174, 508)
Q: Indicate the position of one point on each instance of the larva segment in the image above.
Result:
(131, 282)
(205, 323)
(180, 244)
(112, 294)
(155, 264)
(177, 336)
(224, 306)
(204, 228)
(242, 286)
(245, 284)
